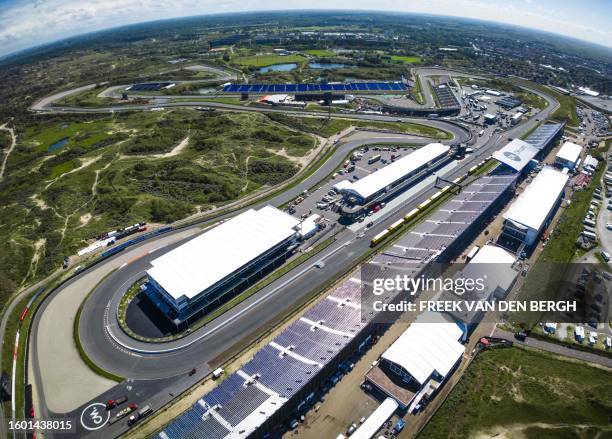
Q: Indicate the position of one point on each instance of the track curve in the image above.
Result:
(116, 352)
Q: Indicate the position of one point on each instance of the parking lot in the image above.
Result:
(324, 201)
(593, 124)
(477, 103)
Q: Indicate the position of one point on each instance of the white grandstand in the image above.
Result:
(568, 155)
(530, 212)
(394, 173)
(203, 265)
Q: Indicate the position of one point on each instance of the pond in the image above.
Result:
(57, 145)
(278, 68)
(328, 66)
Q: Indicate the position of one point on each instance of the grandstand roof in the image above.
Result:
(543, 134)
(569, 152)
(429, 344)
(516, 154)
(533, 206)
(203, 261)
(388, 175)
(374, 86)
(316, 339)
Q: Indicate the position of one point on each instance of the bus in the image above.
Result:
(374, 159)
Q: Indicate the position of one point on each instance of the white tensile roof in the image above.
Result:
(516, 154)
(342, 184)
(207, 259)
(569, 152)
(309, 225)
(376, 420)
(388, 175)
(532, 207)
(492, 254)
(430, 344)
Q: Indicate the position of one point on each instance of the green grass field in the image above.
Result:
(518, 393)
(5, 140)
(320, 53)
(88, 98)
(62, 168)
(406, 59)
(267, 60)
(567, 104)
(325, 127)
(228, 100)
(86, 134)
(126, 174)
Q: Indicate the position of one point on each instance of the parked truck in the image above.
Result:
(112, 403)
(142, 413)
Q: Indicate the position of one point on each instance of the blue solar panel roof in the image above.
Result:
(544, 134)
(284, 88)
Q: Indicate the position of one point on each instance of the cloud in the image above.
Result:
(26, 23)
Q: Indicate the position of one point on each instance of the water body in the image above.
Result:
(57, 145)
(278, 68)
(327, 66)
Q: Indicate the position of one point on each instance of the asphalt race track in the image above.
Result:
(158, 372)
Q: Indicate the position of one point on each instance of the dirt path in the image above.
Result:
(38, 246)
(10, 150)
(175, 151)
(85, 162)
(94, 186)
(246, 174)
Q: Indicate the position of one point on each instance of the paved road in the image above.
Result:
(603, 218)
(556, 348)
(95, 335)
(162, 368)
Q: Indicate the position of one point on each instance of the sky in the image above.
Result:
(27, 23)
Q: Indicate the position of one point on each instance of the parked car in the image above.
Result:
(520, 336)
(351, 429)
